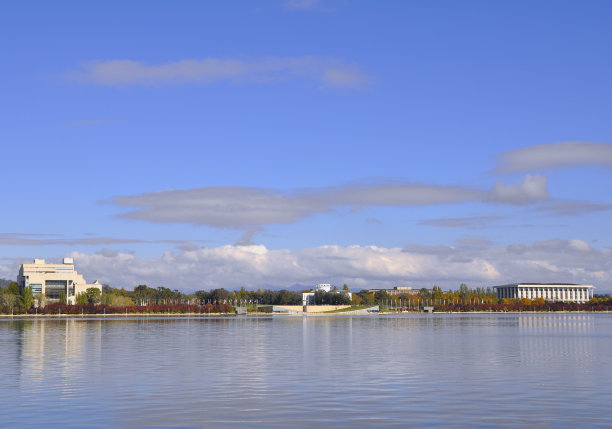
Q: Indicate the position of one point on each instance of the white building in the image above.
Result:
(308, 297)
(566, 292)
(54, 279)
(397, 290)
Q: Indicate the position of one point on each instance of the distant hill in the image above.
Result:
(4, 282)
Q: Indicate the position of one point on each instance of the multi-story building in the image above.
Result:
(397, 290)
(566, 292)
(54, 279)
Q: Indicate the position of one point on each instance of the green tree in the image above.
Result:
(13, 289)
(26, 299)
(463, 291)
(219, 295)
(81, 299)
(142, 294)
(62, 298)
(425, 293)
(381, 297)
(436, 292)
(93, 295)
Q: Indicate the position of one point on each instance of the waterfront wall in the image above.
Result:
(312, 308)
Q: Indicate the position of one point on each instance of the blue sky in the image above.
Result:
(201, 144)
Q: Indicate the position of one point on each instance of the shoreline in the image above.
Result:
(268, 315)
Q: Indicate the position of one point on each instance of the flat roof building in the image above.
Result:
(397, 290)
(54, 279)
(566, 292)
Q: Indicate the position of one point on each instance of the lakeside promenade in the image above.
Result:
(274, 315)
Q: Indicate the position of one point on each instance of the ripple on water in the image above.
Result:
(397, 371)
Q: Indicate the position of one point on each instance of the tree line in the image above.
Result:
(464, 298)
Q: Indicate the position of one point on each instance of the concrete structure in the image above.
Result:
(566, 292)
(397, 290)
(54, 279)
(302, 309)
(308, 297)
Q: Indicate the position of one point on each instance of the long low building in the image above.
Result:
(397, 290)
(566, 292)
(52, 280)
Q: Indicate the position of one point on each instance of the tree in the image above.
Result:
(424, 293)
(93, 295)
(40, 299)
(62, 298)
(140, 294)
(367, 298)
(26, 299)
(381, 296)
(13, 289)
(10, 300)
(345, 287)
(219, 295)
(436, 292)
(81, 299)
(203, 296)
(463, 291)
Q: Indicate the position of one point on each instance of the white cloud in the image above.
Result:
(532, 189)
(473, 241)
(18, 239)
(475, 262)
(194, 267)
(474, 222)
(257, 266)
(328, 72)
(302, 4)
(572, 208)
(245, 208)
(555, 155)
(222, 206)
(398, 195)
(88, 122)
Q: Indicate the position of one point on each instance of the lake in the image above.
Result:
(450, 370)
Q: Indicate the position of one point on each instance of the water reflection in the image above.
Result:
(394, 371)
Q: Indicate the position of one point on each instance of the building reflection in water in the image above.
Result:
(56, 353)
(552, 338)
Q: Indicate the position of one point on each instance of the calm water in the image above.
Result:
(392, 371)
